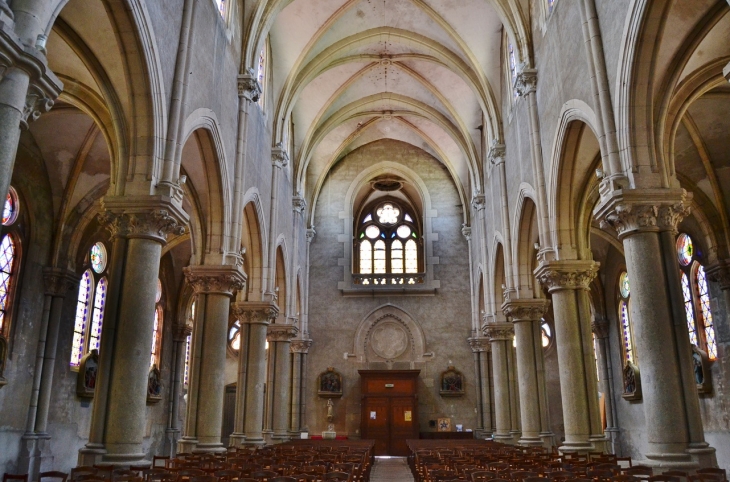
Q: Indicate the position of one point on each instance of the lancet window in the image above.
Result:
(157, 329)
(9, 260)
(624, 316)
(90, 304)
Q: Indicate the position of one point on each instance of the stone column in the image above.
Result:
(279, 337)
(27, 89)
(720, 273)
(568, 283)
(216, 285)
(180, 335)
(480, 346)
(646, 222)
(526, 314)
(299, 350)
(255, 317)
(139, 227)
(36, 439)
(600, 330)
(500, 336)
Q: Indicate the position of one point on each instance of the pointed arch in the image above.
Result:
(253, 239)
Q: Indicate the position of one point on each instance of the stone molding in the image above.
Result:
(478, 202)
(631, 211)
(466, 232)
(57, 281)
(600, 328)
(279, 156)
(480, 344)
(249, 87)
(37, 103)
(181, 332)
(499, 331)
(525, 309)
(567, 275)
(147, 217)
(299, 204)
(311, 233)
(215, 279)
(255, 312)
(526, 81)
(281, 333)
(497, 152)
(300, 346)
(720, 273)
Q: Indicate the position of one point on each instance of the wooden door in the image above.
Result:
(389, 409)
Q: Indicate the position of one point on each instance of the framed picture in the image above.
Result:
(329, 384)
(444, 425)
(452, 383)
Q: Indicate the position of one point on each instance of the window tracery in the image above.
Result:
(624, 315)
(221, 5)
(90, 305)
(191, 321)
(9, 260)
(157, 328)
(696, 297)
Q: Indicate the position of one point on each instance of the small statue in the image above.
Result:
(330, 410)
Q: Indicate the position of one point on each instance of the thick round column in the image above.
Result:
(279, 337)
(567, 282)
(480, 347)
(299, 349)
(13, 90)
(500, 335)
(601, 331)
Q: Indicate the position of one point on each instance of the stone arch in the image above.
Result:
(499, 280)
(389, 337)
(253, 239)
(525, 252)
(280, 280)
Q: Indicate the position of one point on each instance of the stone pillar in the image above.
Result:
(568, 283)
(480, 346)
(605, 378)
(215, 285)
(255, 317)
(139, 227)
(526, 314)
(720, 273)
(299, 350)
(279, 337)
(646, 222)
(500, 336)
(180, 335)
(36, 440)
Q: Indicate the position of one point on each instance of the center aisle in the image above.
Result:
(388, 469)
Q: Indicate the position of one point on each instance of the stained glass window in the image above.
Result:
(97, 256)
(685, 249)
(512, 66)
(90, 305)
(366, 257)
(188, 340)
(379, 257)
(234, 335)
(546, 333)
(155, 336)
(623, 285)
(221, 4)
(372, 232)
(550, 3)
(689, 311)
(411, 257)
(7, 259)
(98, 316)
(704, 293)
(388, 214)
(261, 73)
(10, 209)
(627, 332)
(396, 257)
(82, 319)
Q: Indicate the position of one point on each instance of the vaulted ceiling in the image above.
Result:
(351, 72)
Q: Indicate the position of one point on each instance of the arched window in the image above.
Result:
(234, 336)
(389, 246)
(191, 322)
(546, 332)
(157, 329)
(696, 297)
(261, 71)
(511, 64)
(90, 305)
(624, 316)
(221, 4)
(550, 5)
(8, 261)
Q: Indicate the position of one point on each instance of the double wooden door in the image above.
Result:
(389, 409)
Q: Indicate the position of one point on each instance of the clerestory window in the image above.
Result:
(624, 316)
(9, 261)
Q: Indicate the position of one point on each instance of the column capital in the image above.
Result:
(466, 232)
(311, 233)
(499, 331)
(148, 217)
(255, 312)
(215, 279)
(600, 328)
(181, 332)
(248, 86)
(299, 204)
(300, 346)
(525, 81)
(276, 332)
(528, 309)
(279, 156)
(480, 343)
(567, 274)
(720, 273)
(57, 281)
(631, 211)
(478, 202)
(497, 152)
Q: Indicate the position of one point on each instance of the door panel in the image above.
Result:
(377, 428)
(402, 418)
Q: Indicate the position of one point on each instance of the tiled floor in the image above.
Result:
(387, 469)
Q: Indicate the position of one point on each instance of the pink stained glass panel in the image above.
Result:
(689, 312)
(706, 313)
(82, 318)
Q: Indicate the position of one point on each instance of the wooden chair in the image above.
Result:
(663, 478)
(706, 478)
(484, 475)
(624, 478)
(20, 477)
(82, 470)
(52, 474)
(338, 477)
(712, 470)
(264, 475)
(204, 478)
(283, 478)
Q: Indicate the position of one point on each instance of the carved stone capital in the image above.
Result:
(600, 328)
(299, 204)
(466, 231)
(57, 282)
(480, 344)
(525, 309)
(631, 211)
(300, 346)
(526, 81)
(181, 332)
(478, 202)
(499, 331)
(276, 332)
(37, 103)
(248, 86)
(215, 279)
(255, 312)
(279, 156)
(497, 152)
(720, 273)
(311, 233)
(567, 275)
(149, 217)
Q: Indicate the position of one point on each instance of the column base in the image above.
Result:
(236, 440)
(29, 460)
(505, 438)
(697, 456)
(255, 439)
(172, 435)
(530, 441)
(124, 459)
(209, 448)
(186, 445)
(278, 438)
(576, 447)
(91, 454)
(547, 439)
(612, 434)
(482, 434)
